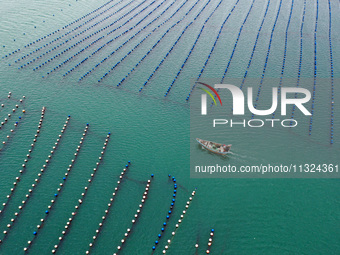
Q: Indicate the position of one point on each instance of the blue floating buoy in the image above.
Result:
(159, 235)
(56, 195)
(152, 175)
(162, 229)
(164, 224)
(46, 211)
(212, 230)
(156, 242)
(35, 232)
(173, 200)
(153, 247)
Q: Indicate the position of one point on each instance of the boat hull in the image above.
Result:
(213, 147)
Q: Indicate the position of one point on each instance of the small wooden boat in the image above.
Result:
(217, 148)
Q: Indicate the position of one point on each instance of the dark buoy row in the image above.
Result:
(235, 45)
(149, 51)
(36, 182)
(123, 33)
(315, 67)
(82, 196)
(191, 50)
(210, 241)
(4, 142)
(300, 59)
(179, 222)
(138, 44)
(267, 58)
(332, 71)
(169, 213)
(58, 192)
(133, 221)
(213, 47)
(166, 55)
(254, 47)
(100, 30)
(106, 212)
(64, 42)
(28, 156)
(128, 40)
(58, 30)
(284, 52)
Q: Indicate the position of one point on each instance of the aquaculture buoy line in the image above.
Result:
(106, 212)
(83, 49)
(166, 247)
(67, 40)
(332, 71)
(113, 52)
(172, 204)
(8, 137)
(35, 184)
(28, 156)
(315, 67)
(212, 231)
(58, 192)
(267, 58)
(254, 47)
(235, 45)
(300, 59)
(140, 42)
(285, 52)
(82, 196)
(83, 39)
(123, 33)
(166, 55)
(212, 49)
(14, 110)
(133, 221)
(192, 49)
(151, 49)
(56, 31)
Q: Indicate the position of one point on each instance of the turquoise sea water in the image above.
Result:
(250, 216)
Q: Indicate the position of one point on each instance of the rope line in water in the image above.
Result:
(267, 58)
(151, 49)
(64, 27)
(166, 247)
(285, 52)
(212, 49)
(332, 71)
(35, 184)
(165, 223)
(300, 58)
(110, 41)
(28, 156)
(84, 39)
(128, 40)
(121, 34)
(58, 192)
(82, 197)
(106, 212)
(133, 221)
(315, 67)
(140, 42)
